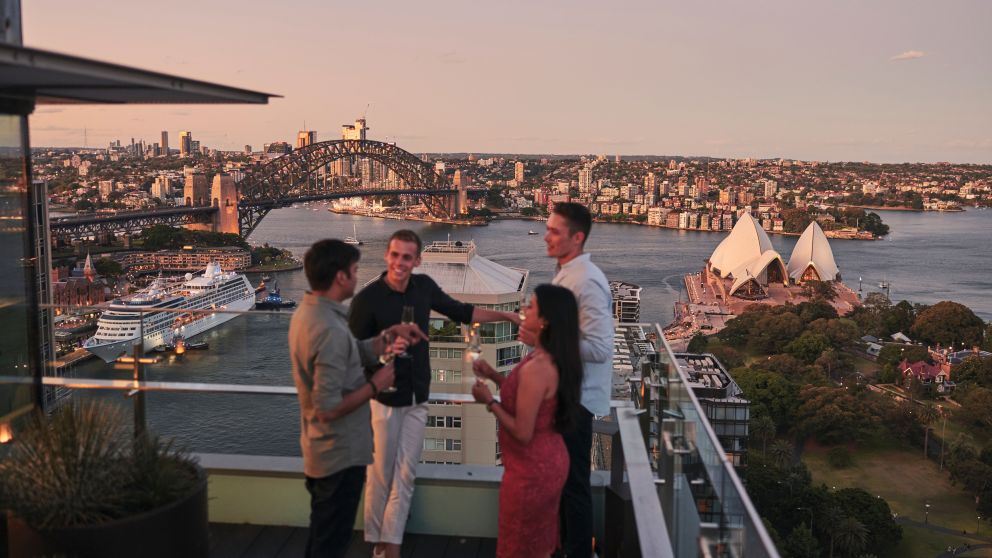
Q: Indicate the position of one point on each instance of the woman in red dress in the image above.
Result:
(538, 401)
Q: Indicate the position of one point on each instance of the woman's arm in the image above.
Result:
(534, 383)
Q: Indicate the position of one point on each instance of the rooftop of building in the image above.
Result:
(459, 270)
(708, 378)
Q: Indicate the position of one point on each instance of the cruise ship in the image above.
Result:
(120, 326)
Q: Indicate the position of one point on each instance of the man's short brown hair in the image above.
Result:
(406, 235)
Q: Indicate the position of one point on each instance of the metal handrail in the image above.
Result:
(652, 531)
(189, 387)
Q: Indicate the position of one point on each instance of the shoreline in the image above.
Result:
(904, 208)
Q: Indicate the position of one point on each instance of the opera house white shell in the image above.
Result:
(812, 258)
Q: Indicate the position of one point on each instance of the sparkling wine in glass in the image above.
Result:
(387, 357)
(473, 352)
(406, 318)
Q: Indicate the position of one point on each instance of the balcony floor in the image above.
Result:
(230, 540)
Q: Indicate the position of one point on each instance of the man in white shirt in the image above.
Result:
(567, 231)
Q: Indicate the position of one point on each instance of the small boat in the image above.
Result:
(266, 277)
(353, 239)
(198, 346)
(531, 233)
(164, 348)
(274, 301)
(261, 287)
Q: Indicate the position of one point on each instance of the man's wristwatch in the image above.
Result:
(489, 406)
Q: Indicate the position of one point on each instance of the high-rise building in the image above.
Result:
(164, 144)
(518, 172)
(247, 149)
(305, 138)
(651, 184)
(185, 143)
(354, 131)
(161, 188)
(585, 180)
(466, 434)
(365, 168)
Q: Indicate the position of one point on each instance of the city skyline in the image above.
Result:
(889, 82)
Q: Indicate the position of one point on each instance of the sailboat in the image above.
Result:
(353, 239)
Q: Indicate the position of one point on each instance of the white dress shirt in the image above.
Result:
(592, 292)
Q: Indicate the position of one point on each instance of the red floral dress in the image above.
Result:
(533, 478)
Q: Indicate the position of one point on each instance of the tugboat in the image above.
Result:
(274, 301)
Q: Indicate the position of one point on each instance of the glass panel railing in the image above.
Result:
(695, 467)
(219, 380)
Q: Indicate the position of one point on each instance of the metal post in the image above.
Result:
(140, 425)
(943, 430)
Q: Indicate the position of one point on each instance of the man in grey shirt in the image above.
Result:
(567, 230)
(333, 391)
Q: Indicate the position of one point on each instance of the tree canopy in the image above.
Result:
(948, 323)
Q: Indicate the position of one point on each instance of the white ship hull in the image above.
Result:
(158, 327)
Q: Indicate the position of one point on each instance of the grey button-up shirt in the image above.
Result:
(328, 363)
(592, 292)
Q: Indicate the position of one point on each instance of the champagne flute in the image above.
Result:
(407, 318)
(387, 357)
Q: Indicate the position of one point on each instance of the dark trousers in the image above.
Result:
(333, 505)
(576, 498)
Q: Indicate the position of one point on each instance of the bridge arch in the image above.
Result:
(283, 180)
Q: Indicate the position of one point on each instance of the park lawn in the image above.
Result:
(922, 543)
(865, 367)
(903, 477)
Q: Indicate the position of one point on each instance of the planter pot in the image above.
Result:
(176, 529)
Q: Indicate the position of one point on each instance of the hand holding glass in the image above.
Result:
(386, 358)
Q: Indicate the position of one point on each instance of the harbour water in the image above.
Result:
(928, 257)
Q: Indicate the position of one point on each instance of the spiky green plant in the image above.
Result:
(81, 466)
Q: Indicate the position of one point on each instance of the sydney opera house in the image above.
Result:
(746, 266)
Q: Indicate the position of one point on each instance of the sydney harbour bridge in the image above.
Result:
(238, 207)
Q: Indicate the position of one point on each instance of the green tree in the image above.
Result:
(875, 516)
(974, 371)
(893, 353)
(770, 393)
(698, 344)
(834, 415)
(530, 212)
(851, 536)
(782, 453)
(948, 323)
(801, 543)
(841, 331)
(762, 427)
(106, 267)
(774, 331)
(976, 407)
(808, 347)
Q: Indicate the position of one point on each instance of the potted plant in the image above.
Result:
(78, 483)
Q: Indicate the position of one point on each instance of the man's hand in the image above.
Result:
(513, 317)
(384, 377)
(411, 332)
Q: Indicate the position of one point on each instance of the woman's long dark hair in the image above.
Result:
(560, 338)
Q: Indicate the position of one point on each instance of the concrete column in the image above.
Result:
(224, 196)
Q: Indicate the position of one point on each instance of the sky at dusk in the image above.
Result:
(884, 81)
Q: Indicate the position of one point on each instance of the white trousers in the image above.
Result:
(399, 438)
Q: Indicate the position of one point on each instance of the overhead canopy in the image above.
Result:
(43, 77)
(813, 250)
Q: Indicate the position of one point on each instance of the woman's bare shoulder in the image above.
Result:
(540, 364)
